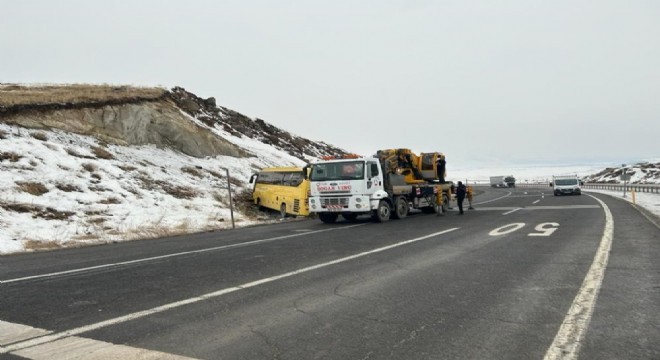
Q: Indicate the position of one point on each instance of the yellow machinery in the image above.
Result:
(427, 167)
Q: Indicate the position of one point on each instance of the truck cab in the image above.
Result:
(348, 187)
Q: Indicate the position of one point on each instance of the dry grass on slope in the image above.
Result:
(21, 95)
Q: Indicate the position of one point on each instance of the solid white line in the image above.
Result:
(511, 211)
(496, 208)
(501, 197)
(73, 271)
(566, 344)
(536, 201)
(139, 314)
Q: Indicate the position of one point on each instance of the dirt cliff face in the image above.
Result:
(240, 125)
(161, 118)
(157, 122)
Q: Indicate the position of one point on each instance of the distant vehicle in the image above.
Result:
(281, 188)
(566, 185)
(510, 181)
(503, 181)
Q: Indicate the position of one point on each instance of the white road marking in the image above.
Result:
(545, 229)
(248, 243)
(566, 344)
(496, 208)
(536, 201)
(512, 211)
(81, 348)
(562, 207)
(11, 333)
(506, 229)
(501, 197)
(531, 208)
(83, 329)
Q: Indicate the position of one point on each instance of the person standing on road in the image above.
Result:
(461, 190)
(470, 194)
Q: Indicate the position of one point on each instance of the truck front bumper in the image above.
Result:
(339, 204)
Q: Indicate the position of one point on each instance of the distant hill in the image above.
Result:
(640, 173)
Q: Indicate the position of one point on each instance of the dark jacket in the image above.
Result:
(461, 190)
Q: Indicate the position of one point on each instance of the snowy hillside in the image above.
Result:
(62, 189)
(641, 173)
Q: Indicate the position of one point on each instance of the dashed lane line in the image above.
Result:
(533, 208)
(512, 211)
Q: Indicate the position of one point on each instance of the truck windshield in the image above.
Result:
(566, 182)
(349, 170)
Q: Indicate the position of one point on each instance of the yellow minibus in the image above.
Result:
(284, 189)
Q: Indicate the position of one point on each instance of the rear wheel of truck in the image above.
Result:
(328, 218)
(400, 208)
(383, 212)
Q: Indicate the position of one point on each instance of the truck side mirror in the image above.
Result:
(305, 171)
(550, 184)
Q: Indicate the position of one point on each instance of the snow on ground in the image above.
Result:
(57, 192)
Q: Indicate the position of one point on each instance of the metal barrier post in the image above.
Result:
(624, 180)
(231, 206)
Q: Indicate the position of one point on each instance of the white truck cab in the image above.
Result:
(347, 187)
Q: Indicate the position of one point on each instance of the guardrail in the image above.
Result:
(645, 188)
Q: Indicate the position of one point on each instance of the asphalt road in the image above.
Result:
(526, 275)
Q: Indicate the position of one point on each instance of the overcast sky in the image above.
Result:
(481, 81)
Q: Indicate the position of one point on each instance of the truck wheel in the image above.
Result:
(445, 204)
(328, 218)
(383, 212)
(349, 216)
(400, 208)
